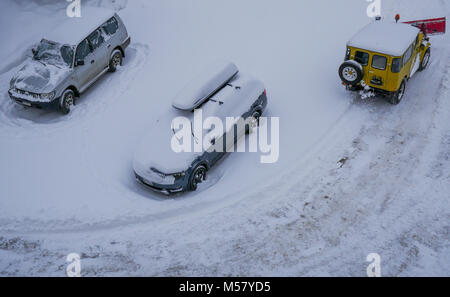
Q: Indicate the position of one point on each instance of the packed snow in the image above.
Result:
(385, 37)
(67, 183)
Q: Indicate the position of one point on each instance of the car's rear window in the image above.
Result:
(396, 65)
(111, 26)
(379, 62)
(362, 58)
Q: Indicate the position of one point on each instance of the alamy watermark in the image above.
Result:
(74, 267)
(212, 134)
(374, 268)
(374, 8)
(73, 10)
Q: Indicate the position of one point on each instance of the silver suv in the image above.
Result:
(70, 59)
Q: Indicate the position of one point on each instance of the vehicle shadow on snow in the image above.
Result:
(93, 100)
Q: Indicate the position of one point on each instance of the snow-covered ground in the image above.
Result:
(66, 183)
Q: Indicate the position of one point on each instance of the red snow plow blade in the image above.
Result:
(430, 26)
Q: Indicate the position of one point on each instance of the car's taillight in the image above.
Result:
(265, 93)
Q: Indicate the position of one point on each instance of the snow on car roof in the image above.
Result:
(73, 30)
(383, 37)
(204, 85)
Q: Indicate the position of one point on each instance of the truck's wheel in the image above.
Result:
(198, 175)
(115, 61)
(398, 96)
(425, 60)
(66, 101)
(350, 73)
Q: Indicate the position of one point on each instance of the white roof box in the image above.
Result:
(211, 80)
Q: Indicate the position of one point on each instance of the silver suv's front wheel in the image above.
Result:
(66, 101)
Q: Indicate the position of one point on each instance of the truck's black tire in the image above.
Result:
(397, 97)
(426, 60)
(350, 73)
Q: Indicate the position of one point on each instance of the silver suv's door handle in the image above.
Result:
(109, 45)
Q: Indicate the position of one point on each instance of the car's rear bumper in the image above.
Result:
(126, 43)
(177, 187)
(359, 87)
(37, 104)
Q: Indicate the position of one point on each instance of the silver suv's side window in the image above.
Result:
(83, 50)
(111, 26)
(96, 39)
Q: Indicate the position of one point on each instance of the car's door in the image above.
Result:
(378, 74)
(363, 57)
(98, 45)
(84, 60)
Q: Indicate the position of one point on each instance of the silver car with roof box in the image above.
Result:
(220, 91)
(70, 59)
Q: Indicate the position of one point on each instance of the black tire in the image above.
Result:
(425, 61)
(397, 97)
(115, 61)
(350, 73)
(198, 175)
(66, 101)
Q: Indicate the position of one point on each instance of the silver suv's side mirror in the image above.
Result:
(79, 63)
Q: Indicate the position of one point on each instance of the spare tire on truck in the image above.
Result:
(351, 72)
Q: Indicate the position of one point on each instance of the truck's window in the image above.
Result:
(96, 39)
(407, 56)
(362, 58)
(111, 26)
(83, 50)
(396, 65)
(379, 62)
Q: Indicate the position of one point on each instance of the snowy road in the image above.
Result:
(66, 183)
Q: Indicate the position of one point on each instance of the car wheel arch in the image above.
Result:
(120, 49)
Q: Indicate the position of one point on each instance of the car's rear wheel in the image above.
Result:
(66, 101)
(198, 175)
(115, 61)
(350, 73)
(253, 122)
(397, 97)
(425, 60)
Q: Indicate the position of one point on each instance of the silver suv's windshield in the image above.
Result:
(53, 53)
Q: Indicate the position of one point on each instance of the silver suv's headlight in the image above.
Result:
(11, 84)
(178, 175)
(48, 96)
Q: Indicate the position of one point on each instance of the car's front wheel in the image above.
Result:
(397, 97)
(66, 101)
(115, 61)
(425, 60)
(198, 175)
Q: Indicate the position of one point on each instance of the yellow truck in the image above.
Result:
(383, 56)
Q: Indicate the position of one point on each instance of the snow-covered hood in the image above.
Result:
(39, 78)
(155, 151)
